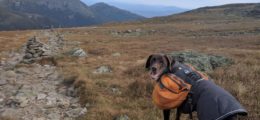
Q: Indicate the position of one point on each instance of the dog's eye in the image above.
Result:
(153, 60)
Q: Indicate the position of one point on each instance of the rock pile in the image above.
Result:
(37, 93)
(202, 62)
(56, 42)
(35, 49)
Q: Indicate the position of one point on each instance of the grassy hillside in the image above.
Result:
(127, 90)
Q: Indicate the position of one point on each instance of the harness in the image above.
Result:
(190, 76)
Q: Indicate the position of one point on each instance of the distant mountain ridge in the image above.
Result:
(144, 10)
(30, 14)
(225, 12)
(108, 13)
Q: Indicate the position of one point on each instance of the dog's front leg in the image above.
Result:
(166, 114)
(178, 114)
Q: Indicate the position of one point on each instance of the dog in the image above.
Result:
(209, 100)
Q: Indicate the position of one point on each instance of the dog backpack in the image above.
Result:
(170, 92)
(173, 88)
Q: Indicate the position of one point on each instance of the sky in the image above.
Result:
(190, 4)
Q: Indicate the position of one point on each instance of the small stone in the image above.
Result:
(116, 54)
(76, 112)
(116, 91)
(9, 113)
(79, 53)
(28, 56)
(10, 74)
(63, 103)
(71, 92)
(41, 96)
(103, 69)
(3, 82)
(54, 116)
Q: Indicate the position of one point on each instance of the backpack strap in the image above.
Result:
(190, 76)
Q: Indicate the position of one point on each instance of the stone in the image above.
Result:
(116, 54)
(71, 92)
(78, 52)
(202, 62)
(10, 74)
(103, 69)
(9, 113)
(54, 116)
(28, 56)
(116, 91)
(41, 96)
(3, 82)
(76, 112)
(121, 117)
(63, 103)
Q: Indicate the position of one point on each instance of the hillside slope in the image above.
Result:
(27, 14)
(224, 12)
(106, 13)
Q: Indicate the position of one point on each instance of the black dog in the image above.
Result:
(209, 100)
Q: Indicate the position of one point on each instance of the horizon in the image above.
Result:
(188, 4)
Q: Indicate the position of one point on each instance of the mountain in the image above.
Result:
(29, 14)
(144, 10)
(216, 13)
(150, 10)
(106, 13)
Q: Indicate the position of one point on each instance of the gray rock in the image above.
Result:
(76, 112)
(10, 74)
(116, 91)
(71, 92)
(3, 82)
(103, 69)
(41, 96)
(116, 54)
(28, 56)
(121, 117)
(202, 62)
(78, 52)
(9, 113)
(54, 116)
(63, 102)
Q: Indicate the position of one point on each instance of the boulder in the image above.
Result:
(121, 117)
(202, 62)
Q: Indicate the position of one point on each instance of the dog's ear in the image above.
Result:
(148, 62)
(170, 61)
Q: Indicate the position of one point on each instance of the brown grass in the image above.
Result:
(232, 39)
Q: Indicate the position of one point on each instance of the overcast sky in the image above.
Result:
(179, 3)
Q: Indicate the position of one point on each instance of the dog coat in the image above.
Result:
(209, 100)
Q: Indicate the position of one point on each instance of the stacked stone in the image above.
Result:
(56, 43)
(35, 50)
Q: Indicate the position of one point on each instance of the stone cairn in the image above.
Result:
(56, 42)
(35, 50)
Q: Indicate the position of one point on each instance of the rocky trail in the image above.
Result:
(33, 91)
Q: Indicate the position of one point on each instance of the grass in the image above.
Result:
(129, 76)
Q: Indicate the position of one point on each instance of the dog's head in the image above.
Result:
(158, 64)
